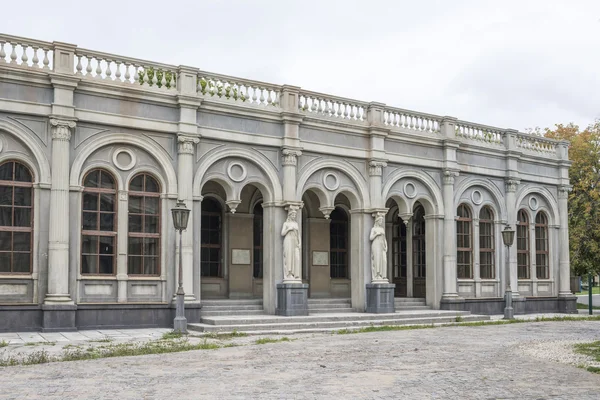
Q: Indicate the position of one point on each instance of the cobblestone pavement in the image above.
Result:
(451, 362)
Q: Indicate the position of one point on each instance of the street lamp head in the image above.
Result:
(180, 216)
(508, 235)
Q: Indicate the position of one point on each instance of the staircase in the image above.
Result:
(410, 304)
(229, 308)
(328, 306)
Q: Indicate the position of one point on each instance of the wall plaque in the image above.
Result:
(240, 256)
(320, 258)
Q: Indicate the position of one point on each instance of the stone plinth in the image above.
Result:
(292, 299)
(59, 318)
(380, 298)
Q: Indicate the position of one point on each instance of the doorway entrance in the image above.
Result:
(408, 256)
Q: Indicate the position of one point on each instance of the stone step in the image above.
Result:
(412, 308)
(324, 326)
(328, 305)
(409, 300)
(230, 302)
(330, 301)
(332, 317)
(330, 310)
(233, 307)
(211, 313)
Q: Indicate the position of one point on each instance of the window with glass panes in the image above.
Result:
(418, 241)
(258, 241)
(143, 242)
(522, 245)
(338, 243)
(16, 218)
(486, 244)
(398, 247)
(99, 223)
(541, 246)
(210, 238)
(464, 249)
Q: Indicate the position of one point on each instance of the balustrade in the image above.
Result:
(536, 144)
(398, 118)
(330, 106)
(97, 65)
(240, 90)
(480, 133)
(25, 52)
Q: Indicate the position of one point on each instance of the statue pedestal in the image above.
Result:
(292, 299)
(380, 298)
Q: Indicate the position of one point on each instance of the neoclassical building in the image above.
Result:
(96, 149)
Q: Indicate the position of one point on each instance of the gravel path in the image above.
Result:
(518, 361)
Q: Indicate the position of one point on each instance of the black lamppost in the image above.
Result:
(508, 236)
(180, 221)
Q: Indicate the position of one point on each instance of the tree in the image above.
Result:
(584, 199)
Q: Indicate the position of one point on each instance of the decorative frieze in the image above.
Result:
(290, 157)
(186, 144)
(61, 129)
(376, 167)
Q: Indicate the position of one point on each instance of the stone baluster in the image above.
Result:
(46, 61)
(35, 60)
(2, 52)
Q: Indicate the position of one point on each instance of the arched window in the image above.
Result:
(98, 232)
(522, 245)
(210, 238)
(143, 242)
(464, 244)
(16, 216)
(398, 246)
(338, 243)
(486, 243)
(541, 246)
(258, 241)
(418, 247)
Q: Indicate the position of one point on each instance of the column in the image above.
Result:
(564, 265)
(122, 242)
(185, 178)
(289, 161)
(58, 246)
(449, 236)
(476, 258)
(511, 207)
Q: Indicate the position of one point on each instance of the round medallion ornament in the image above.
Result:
(476, 197)
(410, 190)
(533, 203)
(237, 172)
(331, 181)
(124, 159)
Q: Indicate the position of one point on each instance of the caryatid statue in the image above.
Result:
(379, 249)
(291, 247)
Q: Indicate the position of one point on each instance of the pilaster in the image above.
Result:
(289, 161)
(564, 261)
(58, 246)
(449, 260)
(375, 182)
(512, 183)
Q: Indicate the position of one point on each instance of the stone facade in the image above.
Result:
(111, 143)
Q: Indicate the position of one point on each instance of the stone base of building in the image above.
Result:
(91, 316)
(380, 298)
(521, 305)
(292, 299)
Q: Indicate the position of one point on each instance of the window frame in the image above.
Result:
(19, 229)
(542, 227)
(257, 245)
(487, 250)
(464, 222)
(523, 226)
(399, 247)
(218, 246)
(336, 268)
(419, 250)
(143, 194)
(100, 233)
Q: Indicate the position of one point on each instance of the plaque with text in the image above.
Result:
(320, 258)
(240, 256)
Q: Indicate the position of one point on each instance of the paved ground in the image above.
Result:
(450, 362)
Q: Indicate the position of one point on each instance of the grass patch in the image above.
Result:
(458, 318)
(271, 340)
(3, 343)
(592, 350)
(585, 307)
(382, 328)
(595, 290)
(40, 343)
(172, 335)
(225, 336)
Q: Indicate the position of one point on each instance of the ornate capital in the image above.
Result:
(563, 191)
(449, 175)
(185, 144)
(511, 185)
(61, 129)
(290, 157)
(376, 167)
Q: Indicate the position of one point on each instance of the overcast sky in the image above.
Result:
(513, 64)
